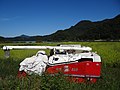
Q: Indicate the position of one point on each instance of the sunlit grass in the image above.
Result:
(110, 76)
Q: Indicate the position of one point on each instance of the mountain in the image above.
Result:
(2, 39)
(108, 29)
(23, 36)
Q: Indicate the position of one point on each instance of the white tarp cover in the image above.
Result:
(35, 64)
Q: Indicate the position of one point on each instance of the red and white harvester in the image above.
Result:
(76, 62)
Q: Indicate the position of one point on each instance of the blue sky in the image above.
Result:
(43, 17)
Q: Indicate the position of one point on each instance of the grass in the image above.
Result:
(110, 80)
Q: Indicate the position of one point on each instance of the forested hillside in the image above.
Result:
(108, 29)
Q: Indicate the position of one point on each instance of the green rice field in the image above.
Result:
(110, 74)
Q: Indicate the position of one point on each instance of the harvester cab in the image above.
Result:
(77, 62)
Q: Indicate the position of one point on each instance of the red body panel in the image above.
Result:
(80, 71)
(77, 69)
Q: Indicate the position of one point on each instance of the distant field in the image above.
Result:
(110, 80)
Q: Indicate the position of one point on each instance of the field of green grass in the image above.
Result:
(110, 74)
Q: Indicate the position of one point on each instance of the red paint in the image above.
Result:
(21, 74)
(78, 70)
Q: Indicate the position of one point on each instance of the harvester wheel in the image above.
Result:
(81, 80)
(21, 74)
(76, 79)
(93, 80)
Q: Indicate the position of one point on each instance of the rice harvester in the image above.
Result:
(77, 62)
